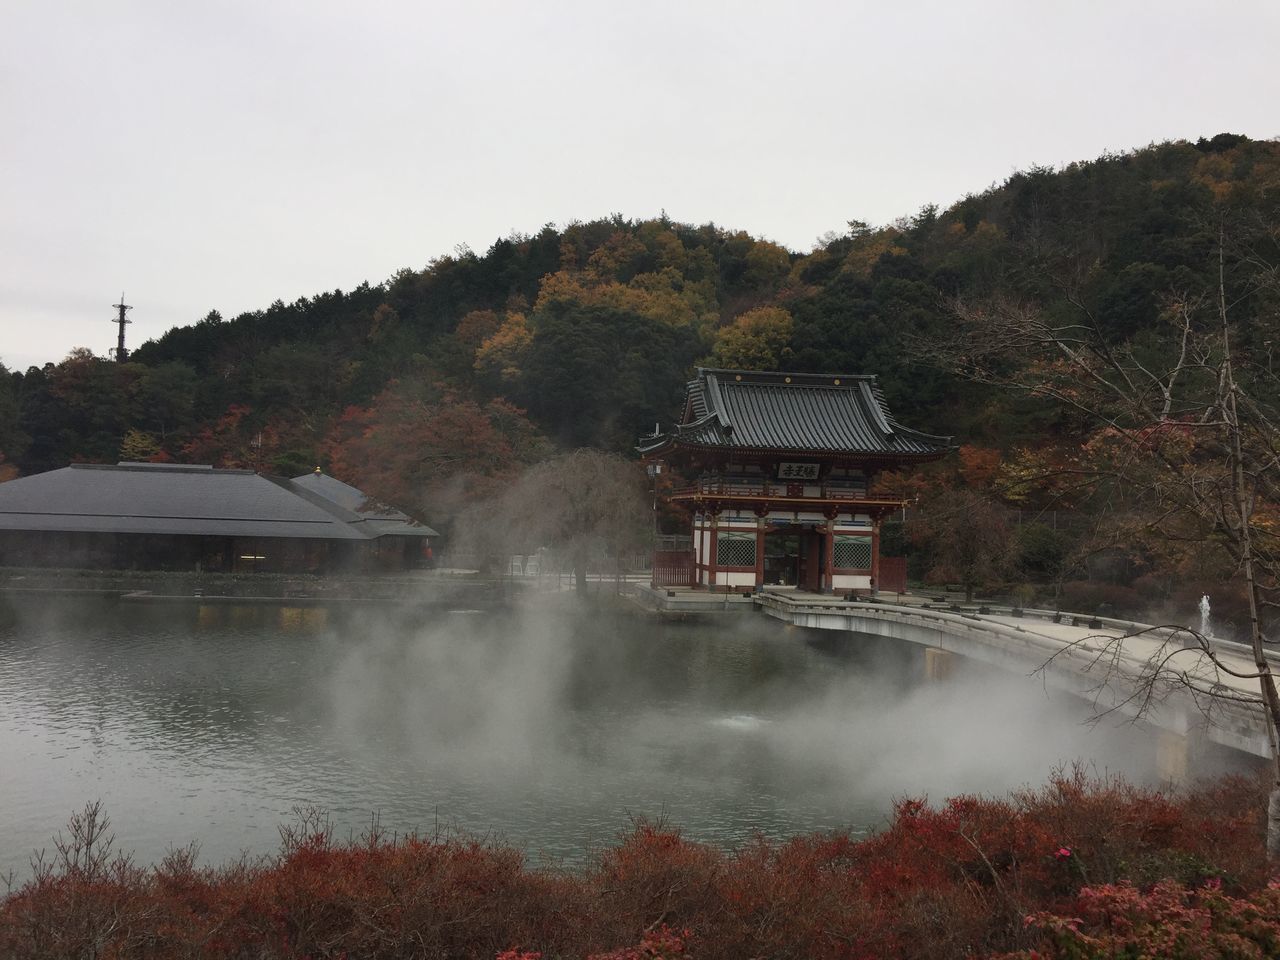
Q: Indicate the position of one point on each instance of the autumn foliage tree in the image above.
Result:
(429, 450)
(499, 357)
(759, 339)
(966, 536)
(1183, 429)
(139, 446)
(235, 440)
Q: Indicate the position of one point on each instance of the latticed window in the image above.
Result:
(852, 553)
(736, 550)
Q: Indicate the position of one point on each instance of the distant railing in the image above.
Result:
(673, 541)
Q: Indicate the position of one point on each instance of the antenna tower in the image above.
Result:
(121, 353)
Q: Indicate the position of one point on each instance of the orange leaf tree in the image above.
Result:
(430, 450)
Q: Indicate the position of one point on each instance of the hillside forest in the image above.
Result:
(437, 387)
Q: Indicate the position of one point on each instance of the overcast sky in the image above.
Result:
(221, 155)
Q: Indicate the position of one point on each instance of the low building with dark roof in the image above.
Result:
(159, 516)
(775, 473)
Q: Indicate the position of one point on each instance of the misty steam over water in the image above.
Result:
(547, 729)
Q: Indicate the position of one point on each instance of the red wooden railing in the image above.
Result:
(830, 490)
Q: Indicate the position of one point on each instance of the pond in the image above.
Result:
(545, 727)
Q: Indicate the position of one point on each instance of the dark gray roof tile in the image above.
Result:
(360, 508)
(794, 412)
(175, 499)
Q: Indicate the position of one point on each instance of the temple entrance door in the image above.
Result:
(810, 576)
(781, 559)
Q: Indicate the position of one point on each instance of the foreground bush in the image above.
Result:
(1170, 921)
(1085, 859)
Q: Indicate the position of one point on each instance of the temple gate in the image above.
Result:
(777, 473)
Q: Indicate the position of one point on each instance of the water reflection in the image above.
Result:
(212, 722)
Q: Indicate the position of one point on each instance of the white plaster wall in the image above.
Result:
(848, 581)
(736, 579)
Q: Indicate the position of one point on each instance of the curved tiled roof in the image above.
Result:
(377, 518)
(174, 499)
(793, 412)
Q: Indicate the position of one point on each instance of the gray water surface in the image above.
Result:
(549, 729)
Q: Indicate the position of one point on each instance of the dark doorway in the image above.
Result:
(782, 559)
(793, 558)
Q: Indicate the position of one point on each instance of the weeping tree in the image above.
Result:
(1181, 430)
(586, 505)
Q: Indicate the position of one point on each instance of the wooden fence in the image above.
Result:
(673, 568)
(893, 575)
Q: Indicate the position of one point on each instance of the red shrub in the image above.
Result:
(1170, 921)
(660, 944)
(940, 882)
(655, 876)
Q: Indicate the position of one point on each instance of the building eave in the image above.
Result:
(671, 444)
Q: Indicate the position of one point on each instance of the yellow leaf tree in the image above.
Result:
(759, 339)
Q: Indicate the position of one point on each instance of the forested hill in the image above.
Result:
(585, 335)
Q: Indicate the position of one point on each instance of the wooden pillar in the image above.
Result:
(761, 524)
(875, 556)
(696, 525)
(828, 557)
(712, 548)
(832, 514)
(696, 549)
